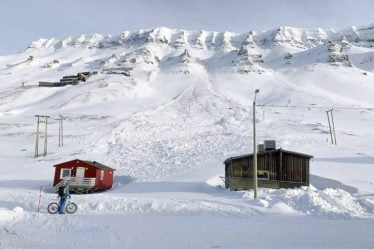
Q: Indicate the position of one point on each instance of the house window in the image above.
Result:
(263, 175)
(101, 175)
(65, 173)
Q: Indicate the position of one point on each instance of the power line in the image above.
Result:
(329, 113)
(319, 107)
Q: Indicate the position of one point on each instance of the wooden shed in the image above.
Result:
(277, 168)
(83, 176)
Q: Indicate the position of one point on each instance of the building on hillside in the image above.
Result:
(83, 176)
(276, 168)
(68, 80)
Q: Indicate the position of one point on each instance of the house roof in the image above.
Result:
(268, 152)
(98, 165)
(92, 163)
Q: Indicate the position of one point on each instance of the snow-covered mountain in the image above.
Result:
(167, 106)
(202, 80)
(219, 50)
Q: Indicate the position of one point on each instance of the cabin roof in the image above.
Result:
(268, 152)
(92, 163)
(98, 165)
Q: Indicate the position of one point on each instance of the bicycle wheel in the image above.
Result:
(71, 208)
(52, 208)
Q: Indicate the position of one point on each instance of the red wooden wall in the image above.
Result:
(91, 172)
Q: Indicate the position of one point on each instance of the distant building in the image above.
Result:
(276, 168)
(68, 80)
(83, 176)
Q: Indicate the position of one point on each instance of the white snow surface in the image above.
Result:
(168, 127)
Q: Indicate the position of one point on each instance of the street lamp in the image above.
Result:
(254, 148)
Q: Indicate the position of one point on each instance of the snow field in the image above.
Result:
(202, 199)
(167, 128)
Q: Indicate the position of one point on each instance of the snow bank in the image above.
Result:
(201, 199)
(327, 203)
(169, 206)
(11, 215)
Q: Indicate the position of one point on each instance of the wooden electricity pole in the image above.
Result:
(331, 126)
(39, 121)
(254, 148)
(60, 131)
(328, 120)
(37, 136)
(46, 136)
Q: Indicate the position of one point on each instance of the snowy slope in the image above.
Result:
(184, 109)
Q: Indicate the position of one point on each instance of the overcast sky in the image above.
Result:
(22, 21)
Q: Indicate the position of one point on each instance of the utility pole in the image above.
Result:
(37, 137)
(46, 136)
(39, 121)
(331, 126)
(254, 148)
(60, 131)
(328, 119)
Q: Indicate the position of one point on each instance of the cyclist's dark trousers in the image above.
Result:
(61, 208)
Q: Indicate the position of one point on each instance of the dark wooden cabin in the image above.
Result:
(276, 168)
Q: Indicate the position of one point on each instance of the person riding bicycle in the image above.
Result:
(63, 193)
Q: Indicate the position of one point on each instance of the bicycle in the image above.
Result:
(70, 207)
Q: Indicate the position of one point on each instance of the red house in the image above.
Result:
(83, 176)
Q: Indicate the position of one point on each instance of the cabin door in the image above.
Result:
(80, 172)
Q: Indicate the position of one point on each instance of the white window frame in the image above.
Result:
(102, 172)
(263, 171)
(62, 170)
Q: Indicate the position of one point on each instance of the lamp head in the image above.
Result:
(256, 91)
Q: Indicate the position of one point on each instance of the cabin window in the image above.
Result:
(65, 173)
(263, 175)
(101, 175)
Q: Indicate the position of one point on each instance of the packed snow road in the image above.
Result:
(169, 231)
(188, 214)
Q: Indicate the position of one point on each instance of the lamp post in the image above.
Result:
(254, 148)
